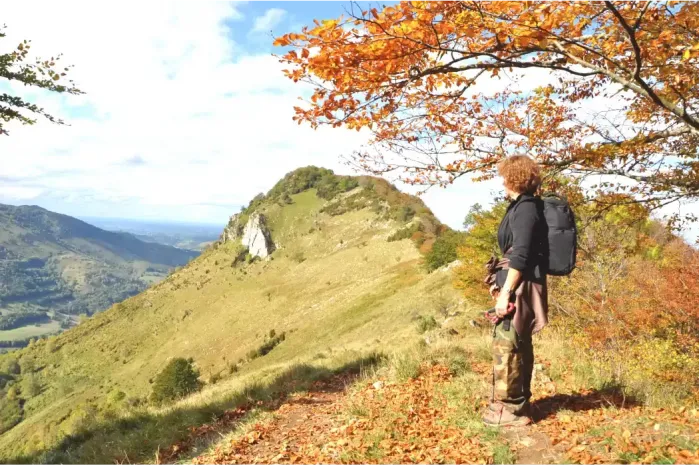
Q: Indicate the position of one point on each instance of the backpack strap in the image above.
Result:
(554, 195)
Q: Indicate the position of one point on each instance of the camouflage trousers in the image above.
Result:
(513, 362)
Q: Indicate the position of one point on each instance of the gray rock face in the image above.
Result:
(254, 235)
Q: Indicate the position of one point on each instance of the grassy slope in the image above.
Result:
(353, 292)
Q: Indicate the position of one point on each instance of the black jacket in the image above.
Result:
(522, 237)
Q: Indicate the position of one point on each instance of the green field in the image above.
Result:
(29, 331)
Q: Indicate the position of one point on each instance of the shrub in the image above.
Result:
(267, 346)
(240, 258)
(426, 323)
(443, 250)
(327, 184)
(10, 413)
(115, 397)
(30, 386)
(442, 305)
(402, 213)
(406, 232)
(406, 366)
(178, 379)
(11, 366)
(270, 344)
(298, 257)
(627, 303)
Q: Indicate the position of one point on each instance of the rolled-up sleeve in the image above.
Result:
(523, 223)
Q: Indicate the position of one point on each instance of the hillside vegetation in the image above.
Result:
(335, 288)
(54, 267)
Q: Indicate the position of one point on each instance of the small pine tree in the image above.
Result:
(179, 378)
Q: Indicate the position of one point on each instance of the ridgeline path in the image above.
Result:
(378, 421)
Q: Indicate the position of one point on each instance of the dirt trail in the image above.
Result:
(310, 429)
(296, 433)
(404, 423)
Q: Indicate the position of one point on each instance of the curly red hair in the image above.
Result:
(521, 174)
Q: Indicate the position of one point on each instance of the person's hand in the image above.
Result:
(503, 307)
(494, 319)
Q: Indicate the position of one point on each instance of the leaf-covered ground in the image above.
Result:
(434, 418)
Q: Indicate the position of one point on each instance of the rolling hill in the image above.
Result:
(339, 283)
(54, 267)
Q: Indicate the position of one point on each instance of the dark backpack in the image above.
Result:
(562, 235)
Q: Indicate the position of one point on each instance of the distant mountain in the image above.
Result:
(194, 236)
(58, 264)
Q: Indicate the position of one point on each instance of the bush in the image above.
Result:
(426, 323)
(444, 250)
(406, 232)
(10, 413)
(115, 397)
(286, 199)
(406, 366)
(10, 366)
(178, 379)
(402, 213)
(327, 184)
(626, 305)
(298, 257)
(267, 346)
(30, 386)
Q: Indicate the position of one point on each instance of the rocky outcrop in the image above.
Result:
(233, 230)
(254, 234)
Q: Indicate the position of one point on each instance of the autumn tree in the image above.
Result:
(615, 96)
(17, 66)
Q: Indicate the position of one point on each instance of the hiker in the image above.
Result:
(518, 283)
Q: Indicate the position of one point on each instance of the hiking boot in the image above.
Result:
(498, 416)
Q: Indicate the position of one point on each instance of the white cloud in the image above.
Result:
(269, 20)
(207, 125)
(23, 193)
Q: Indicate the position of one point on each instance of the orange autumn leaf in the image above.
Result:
(589, 88)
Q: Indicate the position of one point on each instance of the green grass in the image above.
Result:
(29, 331)
(502, 454)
